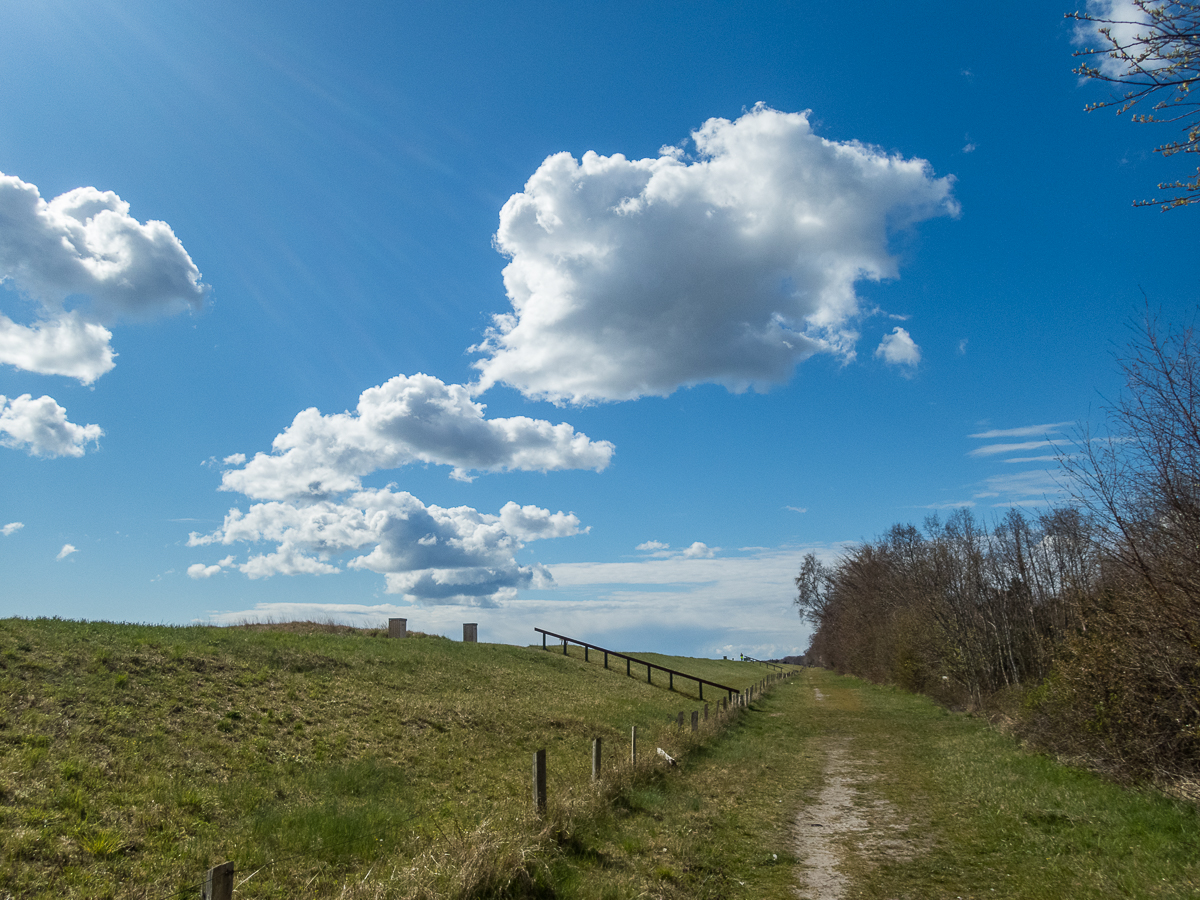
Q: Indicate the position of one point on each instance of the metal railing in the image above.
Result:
(764, 662)
(630, 660)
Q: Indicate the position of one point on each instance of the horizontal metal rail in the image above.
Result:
(764, 662)
(629, 660)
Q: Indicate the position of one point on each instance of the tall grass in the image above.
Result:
(132, 758)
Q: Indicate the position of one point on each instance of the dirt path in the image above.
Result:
(847, 826)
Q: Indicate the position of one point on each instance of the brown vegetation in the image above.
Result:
(1089, 611)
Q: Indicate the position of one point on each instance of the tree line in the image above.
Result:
(1082, 620)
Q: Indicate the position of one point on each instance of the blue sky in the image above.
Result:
(827, 267)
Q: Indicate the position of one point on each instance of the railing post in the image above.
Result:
(564, 646)
(543, 640)
(585, 652)
(539, 782)
(701, 683)
(627, 667)
(606, 659)
(218, 883)
(671, 681)
(595, 759)
(648, 681)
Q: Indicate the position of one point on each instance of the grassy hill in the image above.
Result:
(133, 758)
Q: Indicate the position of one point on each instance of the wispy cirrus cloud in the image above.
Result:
(1023, 431)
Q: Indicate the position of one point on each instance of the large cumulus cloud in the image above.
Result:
(408, 419)
(636, 277)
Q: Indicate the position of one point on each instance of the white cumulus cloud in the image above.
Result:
(67, 550)
(83, 246)
(41, 428)
(200, 570)
(408, 419)
(428, 554)
(634, 277)
(700, 550)
(11, 528)
(66, 346)
(898, 349)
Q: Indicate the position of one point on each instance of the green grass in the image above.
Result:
(981, 818)
(336, 763)
(132, 758)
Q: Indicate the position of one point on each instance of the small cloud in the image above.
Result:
(12, 528)
(66, 551)
(200, 570)
(1031, 459)
(950, 504)
(700, 550)
(968, 148)
(236, 459)
(653, 545)
(898, 349)
(799, 509)
(962, 347)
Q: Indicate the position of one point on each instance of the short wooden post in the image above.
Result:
(543, 640)
(585, 651)
(701, 683)
(595, 759)
(633, 746)
(695, 720)
(648, 681)
(397, 628)
(705, 712)
(470, 632)
(539, 782)
(679, 720)
(565, 645)
(627, 667)
(218, 883)
(606, 659)
(671, 681)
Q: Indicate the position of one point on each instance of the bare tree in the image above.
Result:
(1153, 51)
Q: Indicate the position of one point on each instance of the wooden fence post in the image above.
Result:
(539, 782)
(397, 628)
(695, 720)
(470, 632)
(595, 759)
(633, 746)
(705, 712)
(680, 719)
(218, 883)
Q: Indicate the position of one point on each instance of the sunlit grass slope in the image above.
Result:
(132, 758)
